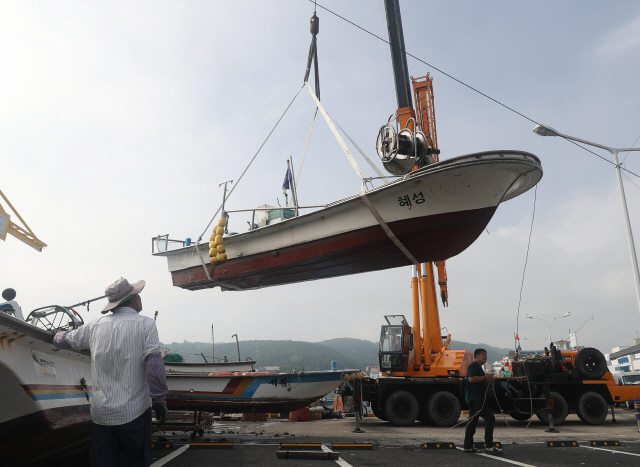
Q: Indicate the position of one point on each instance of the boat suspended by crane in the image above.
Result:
(433, 209)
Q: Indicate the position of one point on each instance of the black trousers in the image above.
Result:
(476, 410)
(133, 439)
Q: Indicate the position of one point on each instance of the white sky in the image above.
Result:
(120, 119)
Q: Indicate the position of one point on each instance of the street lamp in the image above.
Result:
(237, 345)
(575, 333)
(544, 130)
(549, 321)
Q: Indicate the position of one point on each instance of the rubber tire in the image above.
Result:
(444, 409)
(590, 363)
(560, 410)
(401, 408)
(591, 408)
(521, 417)
(379, 413)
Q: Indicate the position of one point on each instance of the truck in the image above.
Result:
(424, 379)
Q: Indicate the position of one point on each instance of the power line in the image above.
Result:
(462, 83)
(632, 146)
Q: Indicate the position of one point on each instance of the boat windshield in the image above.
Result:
(631, 379)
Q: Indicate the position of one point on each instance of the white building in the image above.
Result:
(625, 358)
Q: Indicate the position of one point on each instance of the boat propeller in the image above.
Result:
(401, 151)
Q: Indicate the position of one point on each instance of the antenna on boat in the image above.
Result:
(224, 199)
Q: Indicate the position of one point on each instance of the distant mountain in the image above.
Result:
(347, 352)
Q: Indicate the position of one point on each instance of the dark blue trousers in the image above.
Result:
(476, 410)
(133, 439)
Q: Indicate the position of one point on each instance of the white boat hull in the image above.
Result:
(436, 213)
(45, 393)
(222, 367)
(278, 392)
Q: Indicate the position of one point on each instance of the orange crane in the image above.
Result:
(425, 353)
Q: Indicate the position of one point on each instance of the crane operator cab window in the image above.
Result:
(395, 343)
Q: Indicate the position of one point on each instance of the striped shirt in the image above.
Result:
(119, 343)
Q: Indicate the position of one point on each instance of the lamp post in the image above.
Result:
(549, 321)
(575, 333)
(544, 130)
(237, 345)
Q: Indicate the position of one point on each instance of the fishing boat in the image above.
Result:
(430, 211)
(46, 392)
(430, 214)
(257, 392)
(218, 367)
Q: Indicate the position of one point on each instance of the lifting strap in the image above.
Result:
(363, 194)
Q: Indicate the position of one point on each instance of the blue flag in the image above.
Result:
(519, 348)
(288, 180)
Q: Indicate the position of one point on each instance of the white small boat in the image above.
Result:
(46, 392)
(250, 392)
(218, 367)
(430, 214)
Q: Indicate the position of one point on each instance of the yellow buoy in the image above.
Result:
(223, 257)
(213, 237)
(361, 375)
(220, 248)
(353, 376)
(218, 240)
(346, 377)
(214, 260)
(222, 222)
(220, 230)
(212, 244)
(213, 252)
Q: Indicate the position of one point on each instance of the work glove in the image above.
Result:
(160, 408)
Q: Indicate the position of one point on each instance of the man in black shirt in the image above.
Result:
(477, 385)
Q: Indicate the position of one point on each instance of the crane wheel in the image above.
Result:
(590, 363)
(592, 408)
(379, 412)
(559, 409)
(444, 409)
(401, 408)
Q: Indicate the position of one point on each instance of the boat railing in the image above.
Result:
(163, 243)
(55, 318)
(283, 210)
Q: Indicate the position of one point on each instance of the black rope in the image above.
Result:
(533, 216)
(466, 85)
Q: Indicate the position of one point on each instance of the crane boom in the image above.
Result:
(23, 233)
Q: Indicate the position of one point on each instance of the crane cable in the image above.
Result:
(526, 260)
(251, 161)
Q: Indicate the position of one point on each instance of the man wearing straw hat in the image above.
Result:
(128, 376)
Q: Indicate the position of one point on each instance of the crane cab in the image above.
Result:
(396, 343)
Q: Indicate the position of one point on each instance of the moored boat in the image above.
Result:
(46, 392)
(197, 367)
(250, 392)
